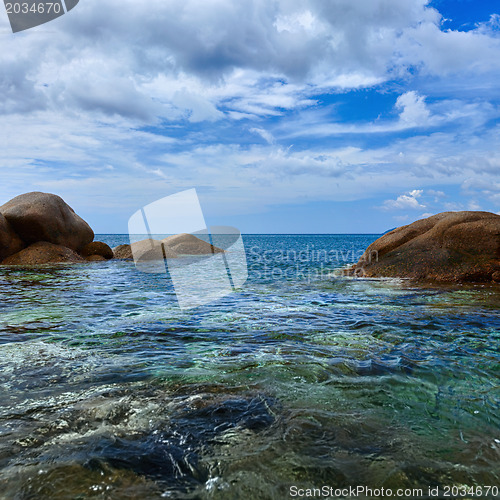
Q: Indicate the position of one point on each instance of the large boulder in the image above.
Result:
(46, 217)
(10, 243)
(447, 247)
(97, 248)
(187, 244)
(42, 252)
(144, 250)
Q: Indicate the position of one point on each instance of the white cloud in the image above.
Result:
(453, 206)
(297, 22)
(436, 193)
(485, 186)
(462, 53)
(71, 155)
(198, 108)
(408, 201)
(268, 137)
(214, 55)
(401, 218)
(414, 112)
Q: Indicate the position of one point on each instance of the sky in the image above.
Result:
(287, 116)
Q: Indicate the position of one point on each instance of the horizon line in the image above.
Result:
(277, 234)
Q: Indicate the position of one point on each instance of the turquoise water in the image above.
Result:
(300, 378)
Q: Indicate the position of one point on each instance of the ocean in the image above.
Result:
(297, 381)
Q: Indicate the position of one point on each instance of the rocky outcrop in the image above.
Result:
(42, 252)
(122, 252)
(144, 250)
(97, 248)
(171, 248)
(10, 243)
(46, 217)
(187, 244)
(447, 247)
(40, 228)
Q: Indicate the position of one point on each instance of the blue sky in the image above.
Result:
(317, 116)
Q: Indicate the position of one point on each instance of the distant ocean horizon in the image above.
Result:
(274, 234)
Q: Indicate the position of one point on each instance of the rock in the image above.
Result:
(42, 252)
(447, 247)
(144, 250)
(46, 217)
(187, 244)
(10, 243)
(97, 248)
(95, 258)
(122, 252)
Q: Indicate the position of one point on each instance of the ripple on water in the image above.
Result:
(109, 390)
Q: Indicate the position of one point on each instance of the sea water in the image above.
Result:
(299, 380)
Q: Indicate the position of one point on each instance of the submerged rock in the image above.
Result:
(447, 247)
(188, 244)
(46, 217)
(42, 252)
(75, 480)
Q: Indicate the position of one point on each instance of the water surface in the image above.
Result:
(109, 390)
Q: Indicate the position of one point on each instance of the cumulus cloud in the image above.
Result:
(413, 109)
(107, 56)
(408, 201)
(450, 52)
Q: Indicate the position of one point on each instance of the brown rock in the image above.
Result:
(122, 252)
(46, 217)
(144, 250)
(95, 258)
(447, 247)
(42, 252)
(187, 244)
(97, 248)
(10, 243)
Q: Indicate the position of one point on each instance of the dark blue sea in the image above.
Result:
(299, 379)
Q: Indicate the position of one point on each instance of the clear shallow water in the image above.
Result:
(109, 390)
